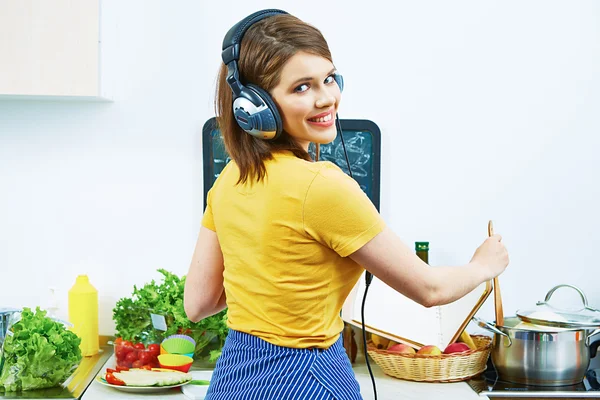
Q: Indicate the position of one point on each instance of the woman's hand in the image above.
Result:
(491, 255)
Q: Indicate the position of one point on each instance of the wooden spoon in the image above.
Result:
(497, 295)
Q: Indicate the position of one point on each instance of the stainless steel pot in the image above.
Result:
(542, 358)
(554, 351)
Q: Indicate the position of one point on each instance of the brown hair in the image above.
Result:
(265, 49)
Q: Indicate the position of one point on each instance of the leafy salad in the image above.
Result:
(38, 352)
(133, 321)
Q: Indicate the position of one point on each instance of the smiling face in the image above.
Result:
(308, 97)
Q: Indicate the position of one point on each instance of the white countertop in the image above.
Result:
(388, 388)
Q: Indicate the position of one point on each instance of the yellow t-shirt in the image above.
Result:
(285, 243)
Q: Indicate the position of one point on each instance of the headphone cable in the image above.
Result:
(339, 127)
(368, 275)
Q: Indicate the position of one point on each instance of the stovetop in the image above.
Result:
(488, 384)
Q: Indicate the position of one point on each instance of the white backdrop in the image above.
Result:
(488, 110)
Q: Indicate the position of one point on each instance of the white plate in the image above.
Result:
(138, 389)
(197, 392)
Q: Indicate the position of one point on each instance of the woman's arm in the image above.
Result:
(204, 294)
(390, 260)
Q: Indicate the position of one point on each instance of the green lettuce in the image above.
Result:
(38, 353)
(133, 322)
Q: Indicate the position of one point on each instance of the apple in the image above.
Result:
(430, 350)
(401, 348)
(391, 343)
(456, 348)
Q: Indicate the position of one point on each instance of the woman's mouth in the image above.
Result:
(325, 120)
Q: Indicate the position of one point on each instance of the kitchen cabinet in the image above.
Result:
(50, 49)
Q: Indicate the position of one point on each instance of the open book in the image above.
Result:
(396, 317)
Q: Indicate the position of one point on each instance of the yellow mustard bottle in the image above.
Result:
(83, 314)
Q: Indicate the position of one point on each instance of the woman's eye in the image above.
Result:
(329, 79)
(301, 88)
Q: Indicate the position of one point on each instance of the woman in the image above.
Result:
(284, 239)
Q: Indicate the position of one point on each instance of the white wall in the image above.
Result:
(488, 110)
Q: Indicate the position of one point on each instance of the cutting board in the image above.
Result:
(195, 392)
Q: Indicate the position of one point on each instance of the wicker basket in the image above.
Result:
(454, 367)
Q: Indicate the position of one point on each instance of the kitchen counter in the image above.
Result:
(388, 388)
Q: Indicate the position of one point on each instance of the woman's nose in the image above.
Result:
(325, 99)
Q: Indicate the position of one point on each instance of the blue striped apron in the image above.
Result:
(252, 369)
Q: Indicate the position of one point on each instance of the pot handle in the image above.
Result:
(594, 346)
(487, 326)
(551, 292)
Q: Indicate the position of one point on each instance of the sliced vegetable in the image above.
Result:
(110, 378)
(199, 382)
(143, 377)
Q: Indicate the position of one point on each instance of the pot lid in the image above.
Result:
(546, 314)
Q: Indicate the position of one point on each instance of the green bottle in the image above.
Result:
(422, 249)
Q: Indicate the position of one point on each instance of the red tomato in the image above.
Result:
(110, 378)
(126, 343)
(110, 370)
(145, 357)
(119, 369)
(137, 364)
(119, 340)
(121, 353)
(139, 346)
(131, 357)
(154, 349)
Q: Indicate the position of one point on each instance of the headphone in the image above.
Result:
(253, 108)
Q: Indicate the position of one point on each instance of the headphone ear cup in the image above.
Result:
(273, 111)
(339, 79)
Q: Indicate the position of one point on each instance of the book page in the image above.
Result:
(457, 315)
(393, 315)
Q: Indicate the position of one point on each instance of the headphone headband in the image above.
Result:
(233, 38)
